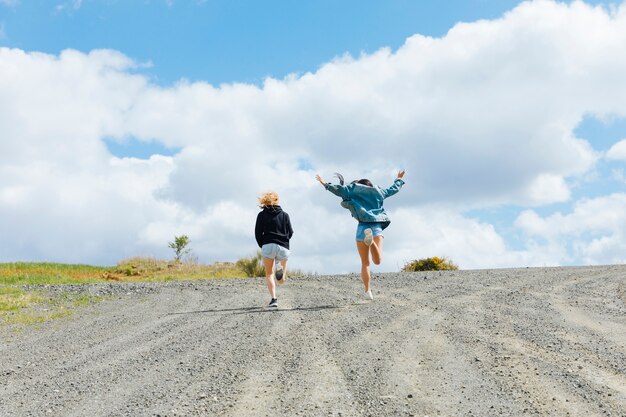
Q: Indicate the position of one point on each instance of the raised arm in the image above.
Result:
(397, 184)
(339, 190)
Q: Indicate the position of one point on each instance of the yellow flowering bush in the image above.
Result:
(430, 264)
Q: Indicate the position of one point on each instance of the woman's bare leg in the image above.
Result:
(364, 253)
(269, 279)
(376, 248)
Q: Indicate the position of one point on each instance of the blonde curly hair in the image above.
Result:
(268, 199)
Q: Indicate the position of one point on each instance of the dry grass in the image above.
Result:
(150, 269)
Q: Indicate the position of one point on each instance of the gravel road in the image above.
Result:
(510, 342)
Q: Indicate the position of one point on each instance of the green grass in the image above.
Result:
(19, 273)
(19, 308)
(14, 299)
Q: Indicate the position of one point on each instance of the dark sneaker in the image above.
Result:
(273, 303)
(279, 271)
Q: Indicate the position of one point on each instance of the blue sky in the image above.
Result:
(233, 40)
(509, 127)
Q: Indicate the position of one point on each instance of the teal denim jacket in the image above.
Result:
(365, 203)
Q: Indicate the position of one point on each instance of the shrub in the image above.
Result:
(430, 264)
(252, 266)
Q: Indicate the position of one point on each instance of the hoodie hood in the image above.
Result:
(273, 210)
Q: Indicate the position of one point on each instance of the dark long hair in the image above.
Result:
(362, 181)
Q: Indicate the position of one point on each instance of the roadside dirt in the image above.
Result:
(511, 342)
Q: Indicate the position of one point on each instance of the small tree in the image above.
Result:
(180, 247)
(252, 266)
(430, 264)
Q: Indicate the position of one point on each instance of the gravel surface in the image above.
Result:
(510, 342)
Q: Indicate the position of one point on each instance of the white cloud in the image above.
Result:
(69, 6)
(618, 175)
(481, 117)
(617, 151)
(427, 232)
(548, 188)
(9, 3)
(594, 232)
(598, 215)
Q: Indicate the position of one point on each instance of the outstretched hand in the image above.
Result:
(401, 174)
(320, 179)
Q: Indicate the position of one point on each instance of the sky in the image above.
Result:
(126, 123)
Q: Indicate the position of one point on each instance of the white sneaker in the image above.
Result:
(368, 295)
(368, 237)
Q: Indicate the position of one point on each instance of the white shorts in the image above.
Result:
(274, 251)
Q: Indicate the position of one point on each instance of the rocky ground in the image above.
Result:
(516, 342)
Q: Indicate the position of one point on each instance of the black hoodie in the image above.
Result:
(273, 226)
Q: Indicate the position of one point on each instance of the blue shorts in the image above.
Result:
(377, 230)
(274, 251)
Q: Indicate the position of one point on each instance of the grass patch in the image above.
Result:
(19, 320)
(19, 308)
(19, 273)
(14, 299)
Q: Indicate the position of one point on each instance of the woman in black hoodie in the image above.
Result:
(273, 231)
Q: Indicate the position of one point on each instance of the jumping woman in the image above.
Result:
(273, 231)
(365, 202)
